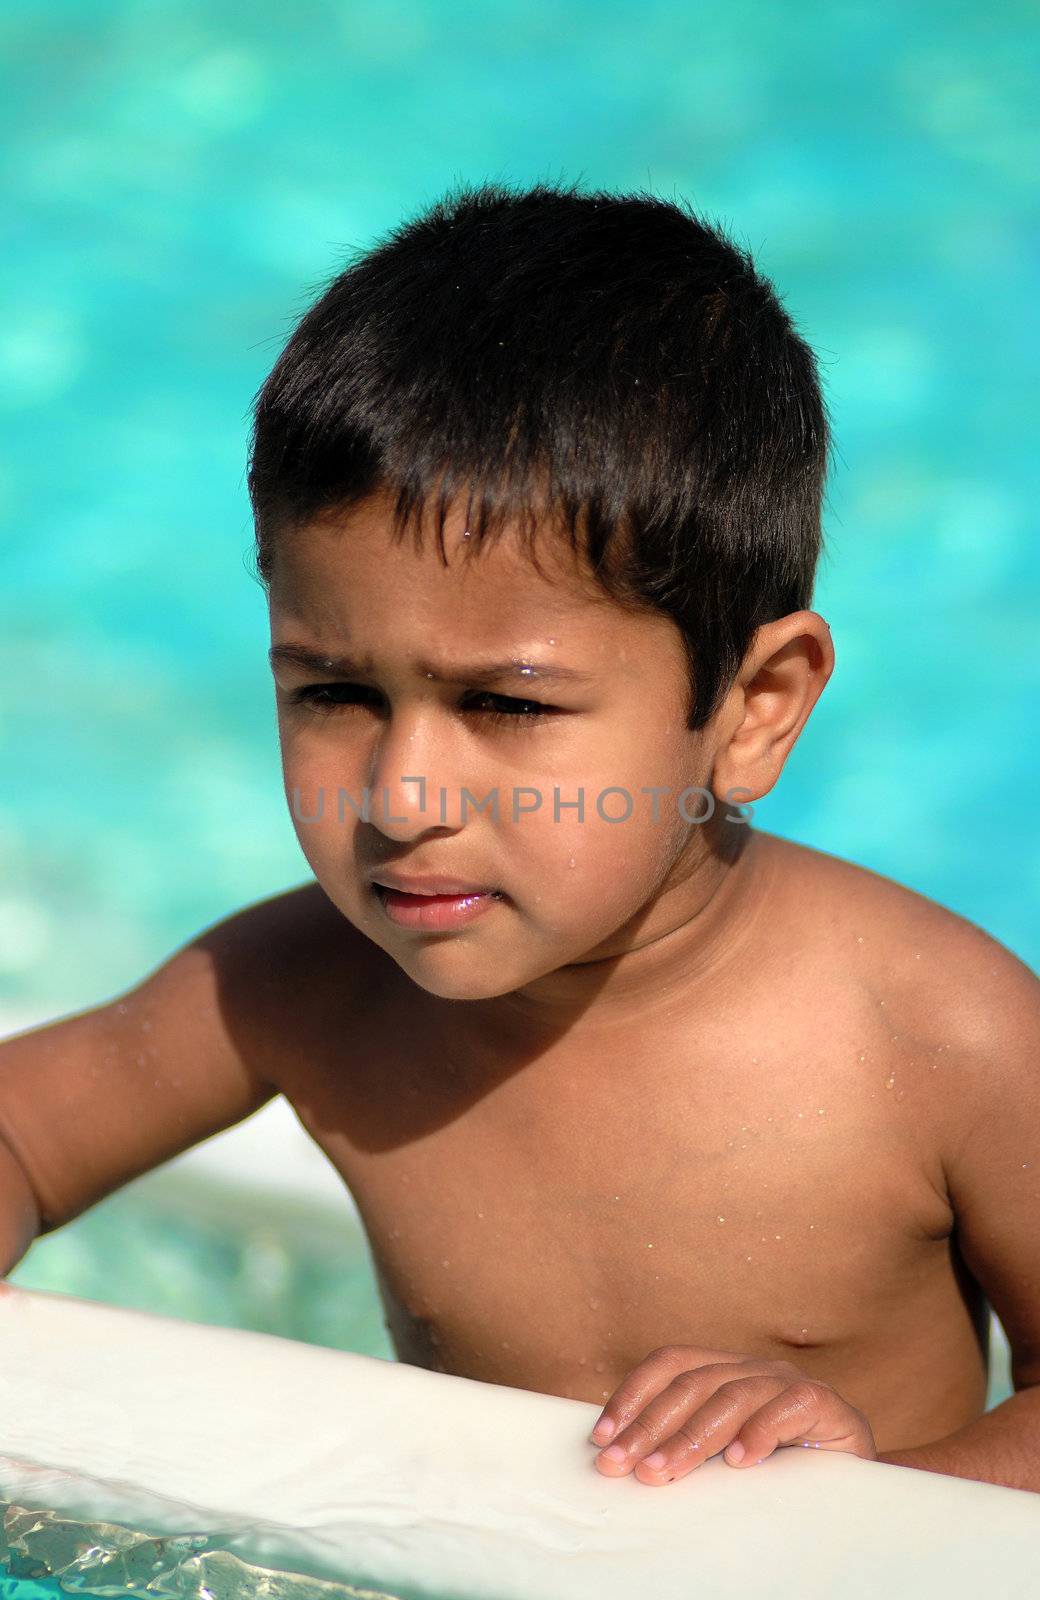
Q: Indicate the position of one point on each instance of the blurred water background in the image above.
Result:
(179, 181)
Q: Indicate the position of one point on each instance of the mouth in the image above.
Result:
(434, 912)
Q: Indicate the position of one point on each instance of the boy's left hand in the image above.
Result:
(684, 1404)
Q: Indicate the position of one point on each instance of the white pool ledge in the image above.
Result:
(346, 1466)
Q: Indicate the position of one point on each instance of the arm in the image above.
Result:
(19, 1213)
(93, 1100)
(1003, 1446)
(993, 1179)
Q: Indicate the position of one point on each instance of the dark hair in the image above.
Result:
(609, 362)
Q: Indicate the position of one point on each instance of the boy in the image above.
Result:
(638, 1105)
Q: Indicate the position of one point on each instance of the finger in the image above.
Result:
(647, 1380)
(691, 1401)
(807, 1413)
(707, 1428)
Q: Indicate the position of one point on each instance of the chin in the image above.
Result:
(466, 987)
(464, 984)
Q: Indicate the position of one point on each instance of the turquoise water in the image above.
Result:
(44, 1555)
(294, 1270)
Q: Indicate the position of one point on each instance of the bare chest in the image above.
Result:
(546, 1227)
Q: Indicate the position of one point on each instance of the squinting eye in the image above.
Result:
(322, 696)
(521, 713)
(325, 698)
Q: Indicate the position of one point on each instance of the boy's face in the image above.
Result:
(571, 890)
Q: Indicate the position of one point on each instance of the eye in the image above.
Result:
(521, 713)
(331, 697)
(324, 697)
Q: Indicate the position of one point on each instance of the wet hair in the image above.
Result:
(608, 365)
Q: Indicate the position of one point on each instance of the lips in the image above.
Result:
(426, 912)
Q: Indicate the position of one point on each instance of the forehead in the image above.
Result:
(351, 572)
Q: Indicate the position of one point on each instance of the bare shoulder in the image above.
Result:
(286, 970)
(944, 976)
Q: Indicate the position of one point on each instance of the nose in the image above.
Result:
(410, 795)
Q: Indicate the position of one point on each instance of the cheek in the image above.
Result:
(596, 870)
(315, 789)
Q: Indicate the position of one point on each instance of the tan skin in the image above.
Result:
(682, 1127)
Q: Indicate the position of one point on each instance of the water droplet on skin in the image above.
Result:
(600, 1366)
(889, 1082)
(811, 1226)
(649, 1247)
(747, 1258)
(445, 1263)
(859, 938)
(571, 862)
(819, 1111)
(721, 1219)
(776, 1236)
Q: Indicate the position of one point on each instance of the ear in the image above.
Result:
(782, 677)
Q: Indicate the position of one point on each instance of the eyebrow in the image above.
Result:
(519, 668)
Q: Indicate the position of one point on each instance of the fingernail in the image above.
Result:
(604, 1428)
(617, 1452)
(735, 1451)
(656, 1460)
